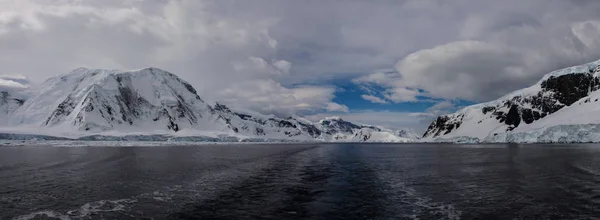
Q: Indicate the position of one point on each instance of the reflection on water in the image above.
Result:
(329, 181)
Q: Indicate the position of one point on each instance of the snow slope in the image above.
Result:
(564, 97)
(150, 102)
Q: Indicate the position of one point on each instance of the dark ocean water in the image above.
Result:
(329, 181)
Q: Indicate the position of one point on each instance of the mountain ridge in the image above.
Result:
(153, 101)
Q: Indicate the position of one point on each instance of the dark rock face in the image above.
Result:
(570, 88)
(487, 109)
(513, 117)
(259, 132)
(220, 107)
(63, 109)
(363, 137)
(556, 93)
(404, 133)
(338, 126)
(244, 116)
(442, 125)
(282, 123)
(310, 129)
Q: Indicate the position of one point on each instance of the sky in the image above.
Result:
(396, 63)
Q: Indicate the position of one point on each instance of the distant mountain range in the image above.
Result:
(111, 103)
(564, 106)
(96, 104)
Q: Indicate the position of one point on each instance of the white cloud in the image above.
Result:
(4, 83)
(400, 94)
(335, 107)
(13, 83)
(458, 69)
(442, 107)
(392, 85)
(258, 66)
(497, 48)
(270, 97)
(373, 99)
(480, 71)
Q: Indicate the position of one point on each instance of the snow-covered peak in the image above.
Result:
(147, 81)
(100, 100)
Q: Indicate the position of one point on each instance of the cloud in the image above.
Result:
(481, 70)
(473, 50)
(461, 69)
(196, 40)
(442, 107)
(335, 107)
(258, 66)
(373, 99)
(13, 83)
(270, 97)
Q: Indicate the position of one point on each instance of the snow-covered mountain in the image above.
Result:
(262, 126)
(336, 129)
(95, 100)
(154, 101)
(560, 107)
(298, 128)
